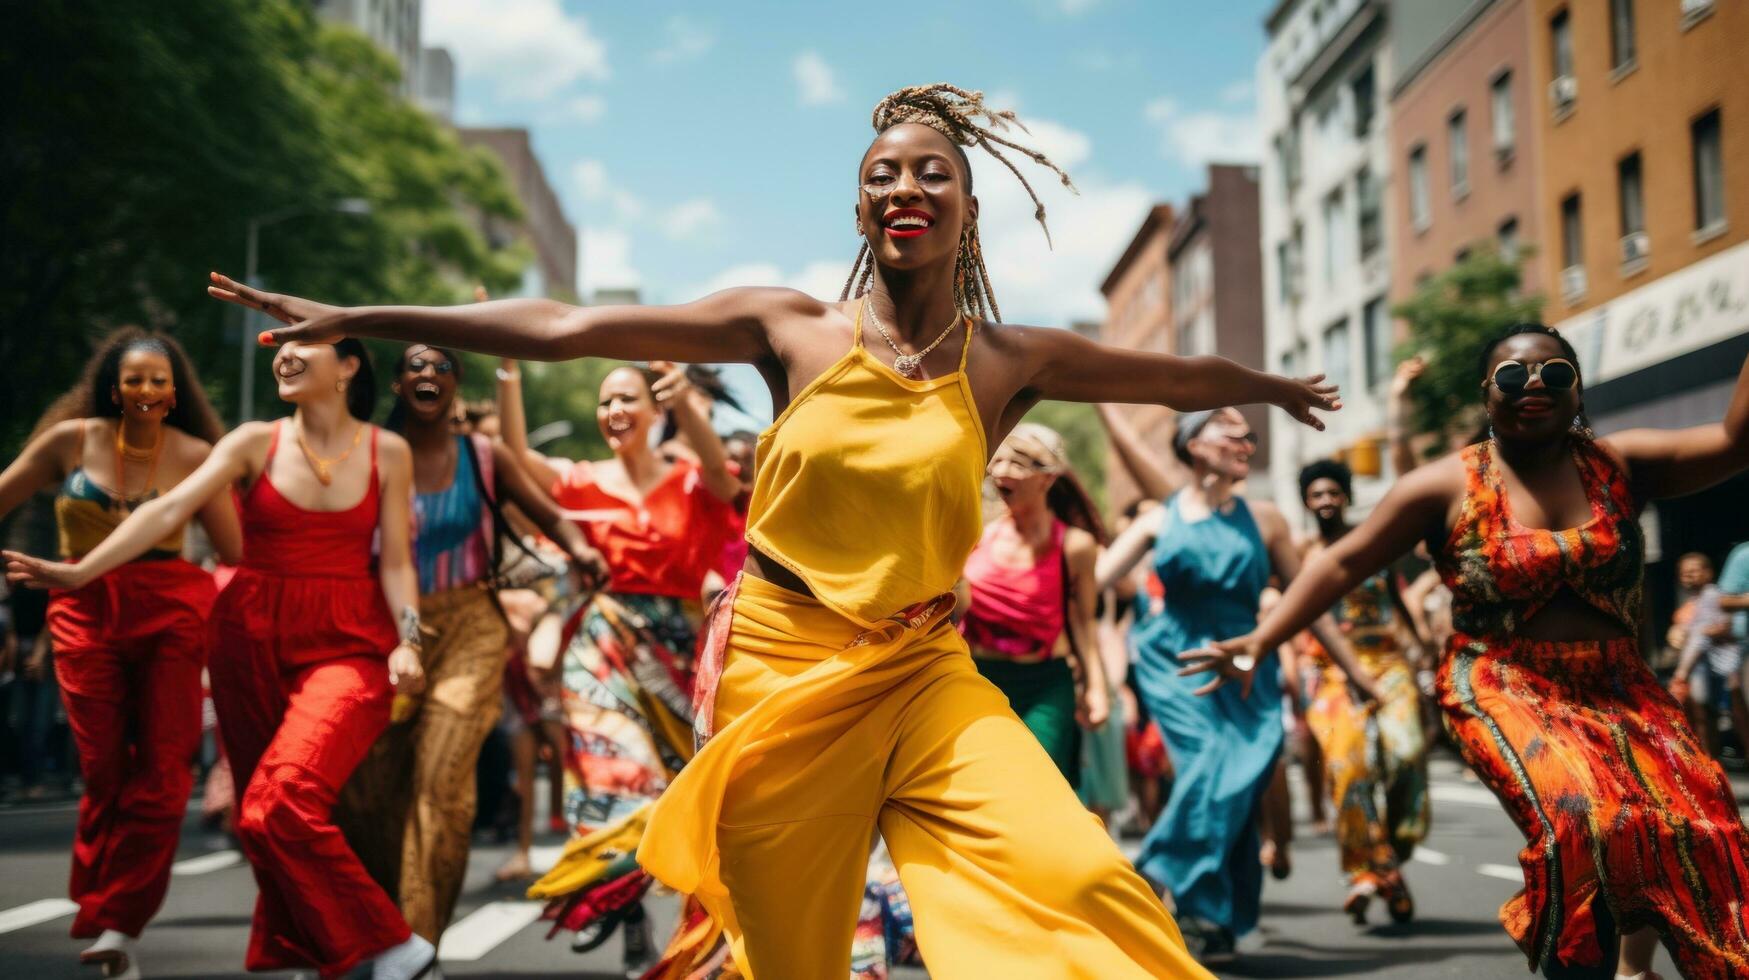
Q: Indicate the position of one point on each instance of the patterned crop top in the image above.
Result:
(1502, 573)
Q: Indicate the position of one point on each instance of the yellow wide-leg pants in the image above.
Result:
(826, 732)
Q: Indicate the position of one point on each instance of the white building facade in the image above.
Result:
(1322, 91)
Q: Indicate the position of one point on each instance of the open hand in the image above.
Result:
(588, 570)
(1234, 660)
(1303, 395)
(306, 320)
(1407, 372)
(671, 387)
(406, 675)
(39, 573)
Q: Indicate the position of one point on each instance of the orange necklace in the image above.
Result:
(324, 468)
(124, 452)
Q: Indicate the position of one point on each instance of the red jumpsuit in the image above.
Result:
(128, 653)
(300, 641)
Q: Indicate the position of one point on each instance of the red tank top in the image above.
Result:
(1017, 612)
(281, 538)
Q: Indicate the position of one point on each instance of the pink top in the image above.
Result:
(1016, 612)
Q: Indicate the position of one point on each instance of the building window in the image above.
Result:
(1458, 141)
(1621, 34)
(1363, 89)
(1334, 252)
(1632, 194)
(1372, 222)
(1508, 237)
(1419, 215)
(1287, 154)
(1709, 173)
(1572, 249)
(1377, 328)
(1500, 104)
(1564, 89)
(1336, 353)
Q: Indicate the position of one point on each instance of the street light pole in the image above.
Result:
(251, 326)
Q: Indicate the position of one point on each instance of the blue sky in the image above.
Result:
(698, 146)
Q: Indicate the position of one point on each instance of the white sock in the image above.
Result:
(404, 961)
(1642, 975)
(111, 939)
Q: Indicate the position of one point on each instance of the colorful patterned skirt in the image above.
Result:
(1375, 765)
(1618, 801)
(627, 670)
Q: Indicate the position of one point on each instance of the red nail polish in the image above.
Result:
(265, 338)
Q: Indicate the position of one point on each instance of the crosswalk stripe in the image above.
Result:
(25, 916)
(1427, 855)
(216, 861)
(1505, 872)
(488, 925)
(1462, 793)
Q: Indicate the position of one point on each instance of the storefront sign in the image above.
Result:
(1686, 310)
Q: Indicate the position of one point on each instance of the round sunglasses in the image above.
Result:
(1512, 377)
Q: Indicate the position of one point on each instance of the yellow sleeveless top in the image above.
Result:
(869, 486)
(86, 513)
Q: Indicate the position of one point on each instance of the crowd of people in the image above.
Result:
(879, 684)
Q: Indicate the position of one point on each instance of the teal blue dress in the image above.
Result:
(1203, 849)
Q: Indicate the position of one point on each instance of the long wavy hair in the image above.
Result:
(95, 394)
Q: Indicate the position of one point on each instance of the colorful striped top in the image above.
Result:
(453, 547)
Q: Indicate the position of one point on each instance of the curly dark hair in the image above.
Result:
(94, 395)
(1327, 469)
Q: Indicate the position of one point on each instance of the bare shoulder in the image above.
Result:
(392, 448)
(1079, 543)
(66, 438)
(186, 449)
(1444, 478)
(1268, 515)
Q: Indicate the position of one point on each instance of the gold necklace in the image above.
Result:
(324, 468)
(124, 452)
(907, 365)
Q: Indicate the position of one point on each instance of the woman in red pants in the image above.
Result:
(129, 645)
(306, 654)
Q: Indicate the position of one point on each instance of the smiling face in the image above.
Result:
(1538, 412)
(307, 372)
(1225, 445)
(626, 411)
(145, 385)
(915, 197)
(427, 383)
(1325, 499)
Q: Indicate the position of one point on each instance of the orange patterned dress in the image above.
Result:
(1628, 822)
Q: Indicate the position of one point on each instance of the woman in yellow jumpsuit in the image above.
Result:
(843, 701)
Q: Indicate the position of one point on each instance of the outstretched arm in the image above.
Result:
(1413, 510)
(1137, 460)
(1284, 555)
(155, 520)
(1131, 546)
(39, 465)
(1674, 462)
(1068, 367)
(728, 326)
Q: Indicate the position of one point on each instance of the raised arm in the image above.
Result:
(1116, 561)
(155, 520)
(516, 486)
(692, 414)
(1673, 462)
(1414, 510)
(1398, 412)
(1068, 367)
(1284, 555)
(1137, 460)
(728, 326)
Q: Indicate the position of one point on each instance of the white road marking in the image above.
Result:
(541, 859)
(35, 913)
(1505, 872)
(1463, 793)
(216, 861)
(482, 931)
(1427, 855)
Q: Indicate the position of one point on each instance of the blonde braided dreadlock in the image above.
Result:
(954, 113)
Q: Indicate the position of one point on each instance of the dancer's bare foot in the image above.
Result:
(515, 868)
(1277, 859)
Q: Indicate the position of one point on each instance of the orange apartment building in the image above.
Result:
(1643, 113)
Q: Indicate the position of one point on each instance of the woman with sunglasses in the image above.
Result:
(1214, 553)
(1631, 828)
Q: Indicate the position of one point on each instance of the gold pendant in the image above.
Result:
(908, 365)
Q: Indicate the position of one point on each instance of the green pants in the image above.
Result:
(1043, 695)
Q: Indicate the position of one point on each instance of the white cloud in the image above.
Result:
(527, 49)
(1196, 138)
(596, 187)
(1238, 93)
(583, 108)
(690, 219)
(822, 279)
(685, 41)
(606, 257)
(815, 83)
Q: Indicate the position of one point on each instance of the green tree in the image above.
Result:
(1450, 317)
(142, 138)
